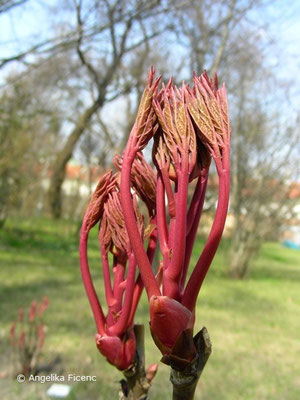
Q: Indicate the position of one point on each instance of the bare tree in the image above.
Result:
(207, 27)
(100, 51)
(102, 38)
(6, 5)
(118, 21)
(28, 133)
(263, 152)
(220, 38)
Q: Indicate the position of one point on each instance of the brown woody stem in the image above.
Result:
(135, 386)
(184, 382)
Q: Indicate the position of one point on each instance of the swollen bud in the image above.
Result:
(168, 319)
(151, 372)
(118, 352)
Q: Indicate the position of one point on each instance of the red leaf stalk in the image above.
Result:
(43, 306)
(41, 335)
(22, 339)
(32, 311)
(115, 337)
(190, 126)
(12, 334)
(21, 315)
(141, 133)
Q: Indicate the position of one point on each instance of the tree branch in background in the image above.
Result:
(120, 48)
(65, 155)
(6, 5)
(224, 38)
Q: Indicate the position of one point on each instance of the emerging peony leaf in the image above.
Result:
(95, 207)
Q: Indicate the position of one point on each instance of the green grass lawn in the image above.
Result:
(254, 324)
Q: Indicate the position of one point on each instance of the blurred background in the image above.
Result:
(71, 75)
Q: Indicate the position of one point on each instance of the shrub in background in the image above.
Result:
(27, 336)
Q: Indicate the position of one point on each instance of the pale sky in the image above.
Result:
(30, 22)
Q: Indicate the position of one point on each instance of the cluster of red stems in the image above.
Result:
(27, 336)
(189, 127)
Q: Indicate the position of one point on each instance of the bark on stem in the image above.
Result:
(185, 382)
(136, 385)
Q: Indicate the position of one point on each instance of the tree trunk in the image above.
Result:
(244, 248)
(59, 166)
